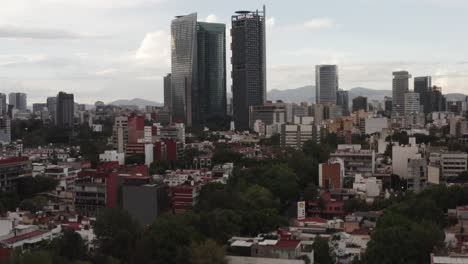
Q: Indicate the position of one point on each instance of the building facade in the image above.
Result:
(360, 103)
(18, 101)
(399, 89)
(184, 66)
(211, 96)
(248, 64)
(65, 110)
(326, 84)
(167, 92)
(422, 86)
(342, 101)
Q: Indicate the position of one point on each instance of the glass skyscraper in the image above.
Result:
(248, 64)
(422, 86)
(399, 89)
(184, 67)
(211, 40)
(198, 80)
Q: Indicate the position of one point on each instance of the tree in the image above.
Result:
(322, 251)
(207, 252)
(159, 167)
(319, 152)
(282, 182)
(69, 246)
(116, 232)
(169, 238)
(311, 193)
(220, 224)
(34, 257)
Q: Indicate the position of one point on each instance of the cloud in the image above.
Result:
(155, 48)
(270, 22)
(102, 3)
(211, 18)
(318, 24)
(17, 32)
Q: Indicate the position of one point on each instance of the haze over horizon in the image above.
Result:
(115, 49)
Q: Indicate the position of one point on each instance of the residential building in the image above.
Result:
(326, 84)
(112, 155)
(417, 174)
(453, 163)
(400, 157)
(144, 201)
(120, 133)
(13, 169)
(248, 63)
(269, 114)
(355, 160)
(65, 110)
(184, 197)
(376, 125)
(18, 101)
(360, 103)
(331, 175)
(412, 103)
(294, 136)
(399, 89)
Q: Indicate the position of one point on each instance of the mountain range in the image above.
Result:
(298, 95)
(141, 103)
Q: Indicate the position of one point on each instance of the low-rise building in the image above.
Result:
(13, 169)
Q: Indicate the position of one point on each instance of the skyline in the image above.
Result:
(107, 50)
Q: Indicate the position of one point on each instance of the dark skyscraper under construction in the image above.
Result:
(248, 63)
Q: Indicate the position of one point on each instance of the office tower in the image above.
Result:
(65, 110)
(18, 100)
(167, 92)
(412, 103)
(248, 64)
(438, 102)
(211, 46)
(360, 103)
(422, 86)
(399, 89)
(184, 66)
(3, 104)
(326, 84)
(198, 80)
(342, 101)
(52, 107)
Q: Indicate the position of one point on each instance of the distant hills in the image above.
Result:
(297, 95)
(307, 94)
(141, 103)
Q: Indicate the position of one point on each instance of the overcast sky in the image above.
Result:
(112, 49)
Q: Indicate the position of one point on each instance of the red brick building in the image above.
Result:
(330, 176)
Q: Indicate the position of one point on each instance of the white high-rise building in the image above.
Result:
(412, 103)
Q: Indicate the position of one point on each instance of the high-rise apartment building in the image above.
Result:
(412, 103)
(18, 100)
(198, 79)
(399, 89)
(248, 63)
(342, 102)
(167, 92)
(65, 110)
(422, 86)
(326, 84)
